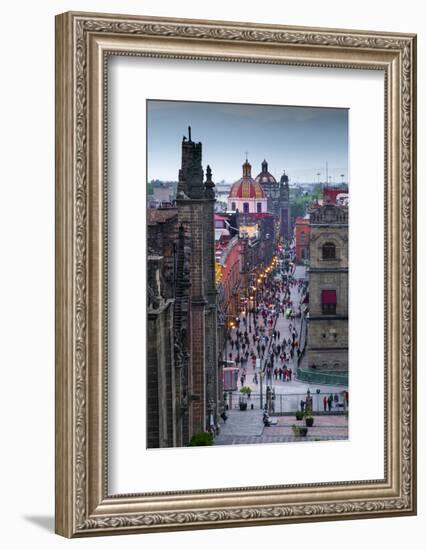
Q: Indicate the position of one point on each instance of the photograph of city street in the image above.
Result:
(247, 274)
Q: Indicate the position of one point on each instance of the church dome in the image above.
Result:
(246, 187)
(264, 177)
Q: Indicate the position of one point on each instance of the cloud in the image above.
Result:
(267, 113)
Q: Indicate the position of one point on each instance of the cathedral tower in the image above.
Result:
(284, 209)
(195, 203)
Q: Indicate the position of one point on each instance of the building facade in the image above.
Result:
(285, 230)
(164, 426)
(184, 386)
(230, 262)
(302, 239)
(246, 195)
(327, 339)
(270, 187)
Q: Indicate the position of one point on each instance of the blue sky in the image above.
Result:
(297, 139)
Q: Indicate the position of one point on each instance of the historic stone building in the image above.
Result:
(165, 386)
(246, 195)
(327, 339)
(184, 387)
(277, 194)
(270, 187)
(264, 194)
(285, 230)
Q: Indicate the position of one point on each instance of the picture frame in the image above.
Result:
(84, 42)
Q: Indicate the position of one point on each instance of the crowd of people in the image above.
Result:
(256, 340)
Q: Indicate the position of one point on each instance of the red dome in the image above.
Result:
(246, 187)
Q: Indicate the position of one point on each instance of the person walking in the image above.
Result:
(325, 403)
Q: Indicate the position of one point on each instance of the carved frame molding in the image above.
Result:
(83, 44)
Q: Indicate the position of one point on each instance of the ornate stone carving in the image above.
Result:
(229, 33)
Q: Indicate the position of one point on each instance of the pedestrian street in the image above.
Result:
(254, 373)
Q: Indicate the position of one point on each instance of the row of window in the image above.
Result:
(246, 207)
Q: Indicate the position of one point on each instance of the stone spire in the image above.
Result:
(190, 176)
(284, 187)
(209, 184)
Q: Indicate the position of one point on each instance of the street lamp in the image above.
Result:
(318, 397)
(261, 376)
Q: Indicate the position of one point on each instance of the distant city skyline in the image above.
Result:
(299, 140)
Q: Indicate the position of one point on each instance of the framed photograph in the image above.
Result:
(235, 274)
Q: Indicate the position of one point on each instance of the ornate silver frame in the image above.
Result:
(83, 506)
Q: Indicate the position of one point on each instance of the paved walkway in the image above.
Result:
(246, 428)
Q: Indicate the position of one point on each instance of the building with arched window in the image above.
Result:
(271, 188)
(327, 338)
(261, 195)
(246, 195)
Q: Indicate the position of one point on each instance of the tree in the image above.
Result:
(300, 203)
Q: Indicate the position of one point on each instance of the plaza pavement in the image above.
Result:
(246, 428)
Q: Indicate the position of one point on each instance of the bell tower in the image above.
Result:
(285, 210)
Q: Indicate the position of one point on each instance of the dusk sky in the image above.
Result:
(297, 139)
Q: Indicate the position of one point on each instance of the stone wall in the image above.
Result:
(161, 406)
(183, 370)
(327, 334)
